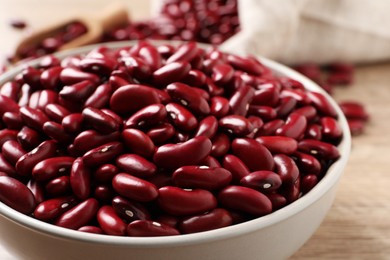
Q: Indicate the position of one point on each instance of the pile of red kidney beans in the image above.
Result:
(160, 140)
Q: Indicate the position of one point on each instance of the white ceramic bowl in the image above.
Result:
(274, 236)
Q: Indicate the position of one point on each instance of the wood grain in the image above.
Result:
(358, 225)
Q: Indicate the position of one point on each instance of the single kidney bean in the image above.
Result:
(80, 179)
(195, 78)
(161, 133)
(298, 95)
(24, 95)
(220, 145)
(278, 144)
(102, 154)
(307, 111)
(322, 104)
(217, 218)
(308, 182)
(269, 128)
(286, 168)
(219, 106)
(222, 73)
(188, 97)
(306, 163)
(356, 126)
(138, 142)
(105, 173)
(12, 151)
(319, 149)
(51, 168)
(236, 125)
(100, 66)
(148, 228)
(100, 97)
(292, 192)
(245, 64)
(129, 210)
(56, 131)
(16, 195)
(116, 81)
(354, 110)
(131, 98)
(78, 92)
(136, 165)
(110, 222)
(58, 187)
(266, 113)
(91, 229)
(90, 139)
(191, 152)
(287, 104)
(73, 123)
(151, 56)
(257, 124)
(171, 72)
(330, 128)
(78, 216)
(100, 120)
(134, 188)
(263, 181)
(137, 67)
(6, 135)
(33, 117)
(185, 52)
(50, 209)
(163, 96)
(213, 89)
(294, 127)
(7, 167)
(240, 100)
(28, 138)
(266, 96)
(50, 78)
(207, 127)
(148, 116)
(211, 162)
(237, 168)
(7, 105)
(31, 76)
(10, 90)
(104, 193)
(181, 202)
(181, 117)
(256, 203)
(254, 155)
(26, 163)
(13, 120)
(278, 201)
(37, 190)
(56, 112)
(70, 76)
(201, 177)
(313, 131)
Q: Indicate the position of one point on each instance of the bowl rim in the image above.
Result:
(329, 180)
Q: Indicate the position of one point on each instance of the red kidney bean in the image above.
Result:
(37, 190)
(6, 167)
(354, 110)
(80, 179)
(78, 216)
(6, 135)
(192, 152)
(278, 201)
(56, 132)
(266, 97)
(50, 209)
(44, 98)
(169, 220)
(297, 94)
(319, 149)
(31, 76)
(236, 125)
(116, 82)
(70, 76)
(308, 182)
(137, 67)
(201, 177)
(148, 228)
(16, 195)
(56, 112)
(103, 193)
(237, 168)
(356, 126)
(181, 117)
(50, 78)
(50, 168)
(136, 165)
(7, 105)
(330, 128)
(313, 131)
(222, 73)
(171, 72)
(99, 66)
(263, 181)
(110, 222)
(33, 117)
(161, 133)
(219, 107)
(211, 162)
(130, 210)
(287, 104)
(244, 64)
(195, 78)
(286, 168)
(138, 142)
(220, 145)
(151, 56)
(78, 92)
(214, 219)
(323, 105)
(185, 52)
(13, 120)
(207, 127)
(307, 111)
(58, 187)
(100, 120)
(181, 202)
(12, 151)
(105, 173)
(90, 139)
(102, 154)
(26, 163)
(28, 138)
(213, 89)
(73, 123)
(266, 113)
(24, 95)
(131, 98)
(269, 128)
(148, 116)
(100, 97)
(10, 89)
(292, 192)
(256, 203)
(254, 155)
(91, 229)
(306, 163)
(134, 188)
(188, 97)
(294, 127)
(240, 100)
(278, 144)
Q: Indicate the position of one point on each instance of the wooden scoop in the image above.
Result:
(112, 16)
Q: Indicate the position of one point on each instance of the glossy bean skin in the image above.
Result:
(286, 168)
(147, 228)
(138, 142)
(207, 127)
(263, 181)
(307, 163)
(201, 177)
(313, 131)
(7, 167)
(180, 117)
(219, 107)
(33, 117)
(256, 203)
(222, 73)
(100, 120)
(26, 163)
(100, 96)
(322, 104)
(253, 154)
(58, 186)
(110, 222)
(73, 123)
(16, 195)
(308, 182)
(13, 120)
(148, 116)
(102, 154)
(56, 132)
(49, 210)
(136, 165)
(10, 90)
(278, 144)
(294, 127)
(7, 105)
(91, 229)
(77, 92)
(192, 152)
(37, 190)
(130, 210)
(185, 52)
(69, 76)
(237, 167)
(240, 100)
(51, 168)
(12, 151)
(56, 112)
(269, 128)
(319, 149)
(161, 133)
(220, 145)
(90, 139)
(50, 78)
(134, 188)
(217, 218)
(181, 202)
(331, 128)
(28, 138)
(171, 72)
(40, 99)
(78, 216)
(236, 125)
(80, 179)
(278, 201)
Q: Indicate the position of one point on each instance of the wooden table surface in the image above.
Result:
(358, 224)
